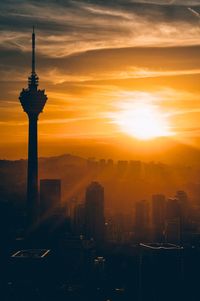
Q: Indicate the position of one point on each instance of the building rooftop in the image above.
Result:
(31, 253)
(161, 246)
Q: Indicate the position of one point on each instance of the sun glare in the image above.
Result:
(143, 121)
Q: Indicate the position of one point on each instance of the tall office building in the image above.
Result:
(79, 219)
(141, 220)
(173, 209)
(122, 166)
(184, 205)
(33, 101)
(158, 216)
(135, 169)
(50, 195)
(173, 221)
(160, 272)
(94, 212)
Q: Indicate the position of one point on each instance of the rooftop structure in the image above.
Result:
(160, 246)
(31, 253)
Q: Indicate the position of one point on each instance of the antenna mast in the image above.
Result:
(33, 51)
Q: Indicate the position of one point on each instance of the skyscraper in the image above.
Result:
(33, 101)
(141, 220)
(79, 219)
(94, 212)
(50, 195)
(173, 210)
(184, 205)
(160, 272)
(158, 216)
(173, 221)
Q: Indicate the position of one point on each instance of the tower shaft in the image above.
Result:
(32, 171)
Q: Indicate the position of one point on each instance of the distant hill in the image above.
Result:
(121, 186)
(13, 173)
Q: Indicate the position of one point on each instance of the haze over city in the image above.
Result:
(99, 150)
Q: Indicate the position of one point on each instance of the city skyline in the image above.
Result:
(107, 204)
(135, 85)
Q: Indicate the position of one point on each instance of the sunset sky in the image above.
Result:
(118, 75)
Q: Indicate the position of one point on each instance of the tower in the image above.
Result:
(33, 101)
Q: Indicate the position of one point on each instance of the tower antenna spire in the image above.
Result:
(33, 51)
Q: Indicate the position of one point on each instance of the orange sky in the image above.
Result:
(101, 64)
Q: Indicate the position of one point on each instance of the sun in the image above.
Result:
(143, 121)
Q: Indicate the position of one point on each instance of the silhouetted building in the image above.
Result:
(141, 220)
(71, 205)
(102, 164)
(160, 272)
(99, 270)
(122, 166)
(135, 168)
(184, 206)
(79, 219)
(158, 216)
(110, 163)
(94, 212)
(54, 223)
(173, 231)
(173, 209)
(92, 164)
(33, 101)
(120, 228)
(173, 221)
(50, 195)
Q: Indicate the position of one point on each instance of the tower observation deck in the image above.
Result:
(33, 101)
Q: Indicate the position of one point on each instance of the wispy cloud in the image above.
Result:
(65, 28)
(93, 55)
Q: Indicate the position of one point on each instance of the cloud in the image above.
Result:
(65, 27)
(92, 54)
(118, 63)
(168, 2)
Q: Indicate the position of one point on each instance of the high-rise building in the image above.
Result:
(72, 202)
(173, 231)
(79, 219)
(102, 164)
(141, 220)
(160, 272)
(122, 166)
(158, 216)
(120, 228)
(50, 195)
(33, 101)
(184, 205)
(173, 221)
(135, 168)
(172, 209)
(110, 163)
(183, 200)
(94, 212)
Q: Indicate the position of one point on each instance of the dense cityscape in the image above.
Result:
(83, 248)
(95, 228)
